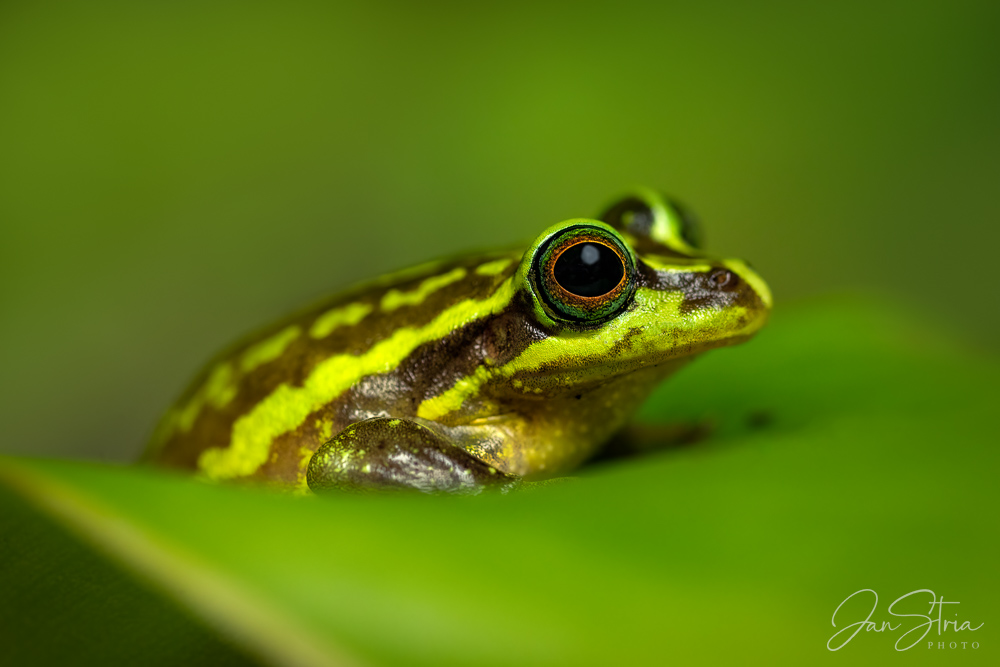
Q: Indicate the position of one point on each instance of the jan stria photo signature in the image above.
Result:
(913, 634)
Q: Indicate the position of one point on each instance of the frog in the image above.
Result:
(490, 371)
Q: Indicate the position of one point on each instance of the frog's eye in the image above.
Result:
(584, 274)
(690, 228)
(648, 214)
(631, 215)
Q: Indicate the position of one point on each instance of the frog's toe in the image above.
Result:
(385, 453)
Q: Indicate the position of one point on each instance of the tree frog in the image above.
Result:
(475, 373)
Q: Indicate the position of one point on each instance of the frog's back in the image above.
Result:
(260, 409)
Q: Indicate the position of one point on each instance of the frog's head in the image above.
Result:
(632, 291)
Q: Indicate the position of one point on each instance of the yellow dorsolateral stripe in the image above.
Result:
(221, 386)
(452, 399)
(678, 264)
(343, 316)
(495, 267)
(287, 407)
(270, 349)
(218, 390)
(394, 298)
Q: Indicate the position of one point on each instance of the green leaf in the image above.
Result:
(851, 448)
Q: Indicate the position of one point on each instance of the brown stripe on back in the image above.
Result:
(213, 425)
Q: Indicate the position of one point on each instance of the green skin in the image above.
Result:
(463, 375)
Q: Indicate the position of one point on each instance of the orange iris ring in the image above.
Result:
(585, 309)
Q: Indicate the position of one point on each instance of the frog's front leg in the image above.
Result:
(386, 453)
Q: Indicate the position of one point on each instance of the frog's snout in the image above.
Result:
(736, 275)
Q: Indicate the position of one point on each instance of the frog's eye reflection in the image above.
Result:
(584, 274)
(588, 269)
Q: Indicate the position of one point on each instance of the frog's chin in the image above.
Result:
(679, 354)
(581, 381)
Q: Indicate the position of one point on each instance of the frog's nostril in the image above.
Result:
(721, 278)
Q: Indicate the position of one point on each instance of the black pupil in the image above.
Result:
(589, 269)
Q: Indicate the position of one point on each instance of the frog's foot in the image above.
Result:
(385, 453)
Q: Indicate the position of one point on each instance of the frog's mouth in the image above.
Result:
(629, 356)
(654, 345)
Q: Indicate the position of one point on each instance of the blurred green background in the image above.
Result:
(174, 174)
